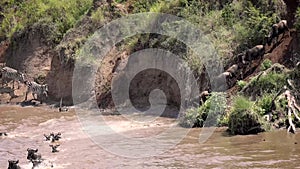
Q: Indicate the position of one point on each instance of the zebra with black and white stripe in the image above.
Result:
(38, 89)
(12, 74)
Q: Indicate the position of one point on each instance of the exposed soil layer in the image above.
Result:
(284, 52)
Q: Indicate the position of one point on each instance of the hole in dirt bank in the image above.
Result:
(153, 87)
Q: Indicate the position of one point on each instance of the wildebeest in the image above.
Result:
(14, 75)
(203, 96)
(53, 137)
(3, 134)
(221, 82)
(279, 28)
(233, 70)
(47, 137)
(13, 164)
(54, 148)
(42, 164)
(225, 74)
(33, 155)
(61, 107)
(56, 137)
(256, 52)
(38, 89)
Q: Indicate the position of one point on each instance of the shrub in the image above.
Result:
(98, 16)
(297, 22)
(265, 103)
(267, 63)
(243, 119)
(271, 82)
(143, 5)
(241, 84)
(214, 106)
(232, 26)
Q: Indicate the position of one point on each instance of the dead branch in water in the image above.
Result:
(292, 108)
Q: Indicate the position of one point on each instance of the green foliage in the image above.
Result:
(297, 20)
(214, 106)
(243, 117)
(63, 13)
(228, 15)
(242, 104)
(267, 63)
(281, 104)
(98, 16)
(120, 1)
(143, 5)
(253, 26)
(271, 82)
(232, 26)
(270, 6)
(265, 103)
(258, 26)
(241, 84)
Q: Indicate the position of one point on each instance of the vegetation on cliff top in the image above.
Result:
(231, 25)
(64, 14)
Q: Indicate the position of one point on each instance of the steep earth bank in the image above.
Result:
(34, 53)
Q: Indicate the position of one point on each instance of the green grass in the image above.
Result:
(271, 82)
(235, 27)
(265, 103)
(297, 20)
(267, 63)
(214, 106)
(63, 13)
(98, 16)
(241, 84)
(244, 117)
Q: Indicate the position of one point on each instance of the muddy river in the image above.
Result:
(26, 126)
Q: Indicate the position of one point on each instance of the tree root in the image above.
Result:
(292, 108)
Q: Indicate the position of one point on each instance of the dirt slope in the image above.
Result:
(283, 53)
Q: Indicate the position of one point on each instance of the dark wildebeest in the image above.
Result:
(203, 96)
(61, 107)
(48, 138)
(57, 137)
(256, 52)
(3, 134)
(33, 155)
(54, 148)
(279, 28)
(298, 65)
(233, 70)
(53, 137)
(13, 164)
(221, 82)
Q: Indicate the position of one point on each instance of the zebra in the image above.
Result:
(38, 89)
(14, 75)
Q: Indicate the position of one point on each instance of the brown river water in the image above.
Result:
(26, 125)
